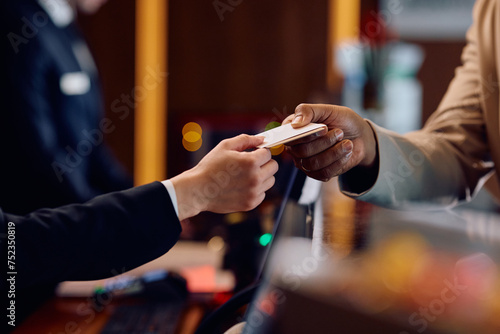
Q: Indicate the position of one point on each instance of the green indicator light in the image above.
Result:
(272, 125)
(265, 239)
(99, 289)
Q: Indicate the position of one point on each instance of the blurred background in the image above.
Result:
(231, 63)
(234, 66)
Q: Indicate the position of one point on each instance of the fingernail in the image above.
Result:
(297, 119)
(338, 134)
(347, 146)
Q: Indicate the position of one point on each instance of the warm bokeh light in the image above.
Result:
(235, 218)
(216, 244)
(191, 147)
(191, 136)
(277, 150)
(191, 126)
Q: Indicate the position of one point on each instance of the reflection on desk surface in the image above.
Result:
(415, 272)
(366, 269)
(199, 264)
(81, 307)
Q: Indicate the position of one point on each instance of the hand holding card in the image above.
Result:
(286, 133)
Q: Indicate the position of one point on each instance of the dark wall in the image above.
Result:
(230, 69)
(262, 54)
(110, 35)
(438, 68)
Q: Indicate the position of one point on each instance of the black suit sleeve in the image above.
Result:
(106, 236)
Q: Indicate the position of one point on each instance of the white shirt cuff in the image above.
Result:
(171, 191)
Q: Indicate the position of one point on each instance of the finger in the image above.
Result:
(268, 184)
(311, 137)
(260, 156)
(296, 162)
(317, 145)
(259, 199)
(335, 169)
(319, 113)
(304, 114)
(242, 142)
(323, 140)
(327, 157)
(289, 119)
(269, 168)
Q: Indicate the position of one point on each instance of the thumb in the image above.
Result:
(304, 114)
(288, 119)
(317, 113)
(243, 142)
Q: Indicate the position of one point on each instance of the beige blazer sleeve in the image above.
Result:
(448, 160)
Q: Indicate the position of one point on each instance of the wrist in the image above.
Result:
(370, 147)
(362, 177)
(189, 201)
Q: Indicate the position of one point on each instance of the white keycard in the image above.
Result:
(286, 133)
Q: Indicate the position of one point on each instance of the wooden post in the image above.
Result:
(151, 91)
(343, 25)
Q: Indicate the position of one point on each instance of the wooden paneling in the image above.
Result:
(263, 54)
(438, 68)
(110, 35)
(151, 110)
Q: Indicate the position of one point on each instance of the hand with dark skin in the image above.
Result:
(349, 143)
